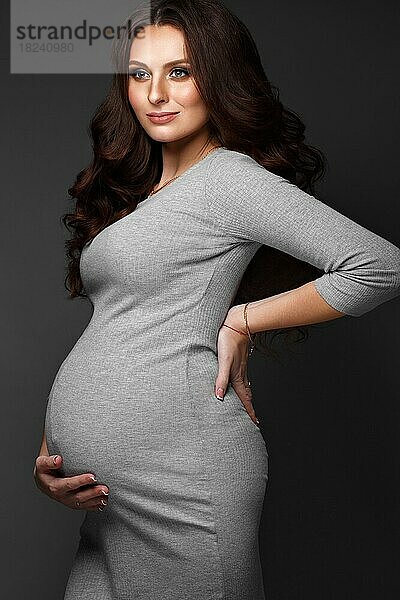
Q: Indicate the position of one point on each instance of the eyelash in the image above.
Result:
(132, 73)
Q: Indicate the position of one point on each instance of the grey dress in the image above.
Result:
(134, 400)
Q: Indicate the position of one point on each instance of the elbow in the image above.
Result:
(375, 279)
(396, 282)
(380, 264)
(391, 262)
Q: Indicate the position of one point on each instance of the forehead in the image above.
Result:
(158, 45)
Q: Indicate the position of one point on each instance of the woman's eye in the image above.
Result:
(180, 69)
(137, 73)
(141, 74)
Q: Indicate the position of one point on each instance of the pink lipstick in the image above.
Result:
(161, 117)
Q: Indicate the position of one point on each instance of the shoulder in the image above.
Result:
(232, 165)
(230, 172)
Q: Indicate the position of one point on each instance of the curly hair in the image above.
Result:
(245, 115)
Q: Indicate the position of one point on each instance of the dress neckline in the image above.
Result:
(183, 175)
(196, 165)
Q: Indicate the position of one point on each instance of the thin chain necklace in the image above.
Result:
(176, 176)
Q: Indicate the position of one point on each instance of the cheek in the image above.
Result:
(189, 97)
(134, 98)
(192, 103)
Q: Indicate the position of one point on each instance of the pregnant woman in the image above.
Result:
(196, 166)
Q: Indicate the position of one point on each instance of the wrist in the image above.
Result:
(238, 319)
(234, 318)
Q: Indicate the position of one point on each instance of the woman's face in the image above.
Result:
(156, 86)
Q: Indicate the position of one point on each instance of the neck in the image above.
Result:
(180, 155)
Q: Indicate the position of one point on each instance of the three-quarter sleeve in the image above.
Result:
(250, 203)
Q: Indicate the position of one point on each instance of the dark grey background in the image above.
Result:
(330, 412)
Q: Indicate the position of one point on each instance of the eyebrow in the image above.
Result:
(168, 64)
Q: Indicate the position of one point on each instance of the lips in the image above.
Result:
(160, 114)
(162, 117)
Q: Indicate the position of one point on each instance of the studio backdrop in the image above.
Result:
(328, 405)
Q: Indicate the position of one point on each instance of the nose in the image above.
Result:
(158, 91)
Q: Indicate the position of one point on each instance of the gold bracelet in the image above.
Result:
(247, 328)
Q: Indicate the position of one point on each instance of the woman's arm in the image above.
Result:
(248, 203)
(300, 306)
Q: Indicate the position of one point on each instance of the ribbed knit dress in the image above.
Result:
(133, 401)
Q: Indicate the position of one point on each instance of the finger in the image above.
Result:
(60, 487)
(245, 395)
(243, 390)
(247, 384)
(73, 483)
(95, 492)
(222, 380)
(44, 472)
(48, 463)
(246, 380)
(96, 503)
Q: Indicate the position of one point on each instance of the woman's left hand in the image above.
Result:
(233, 350)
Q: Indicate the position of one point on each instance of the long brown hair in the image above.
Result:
(246, 115)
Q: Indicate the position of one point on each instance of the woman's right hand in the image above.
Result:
(78, 492)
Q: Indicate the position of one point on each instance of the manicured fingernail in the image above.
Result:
(93, 477)
(104, 492)
(220, 394)
(257, 421)
(55, 459)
